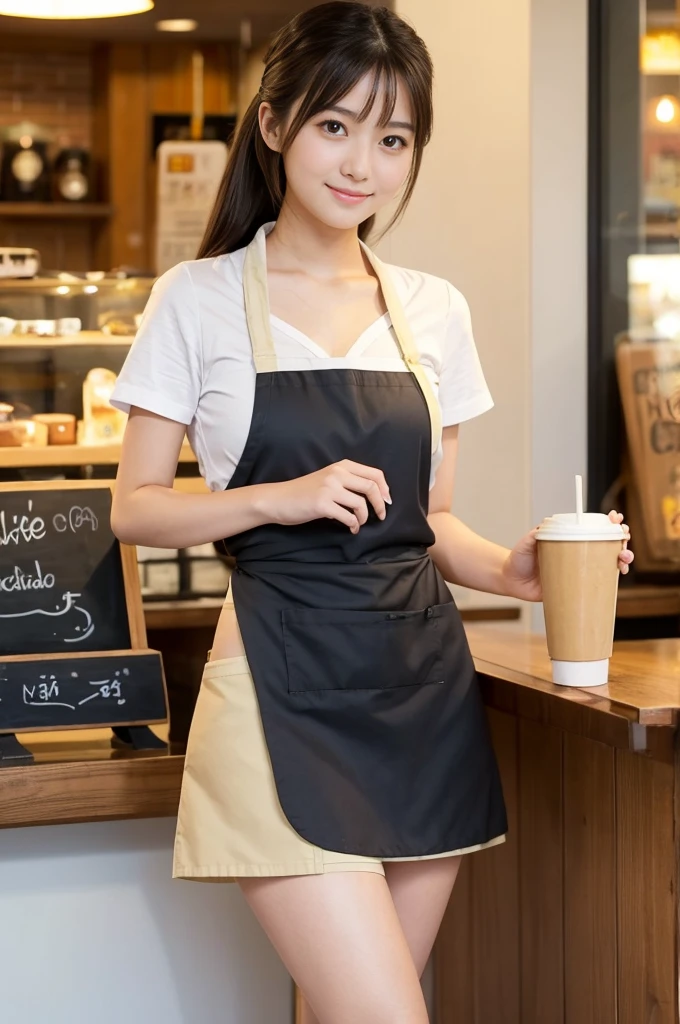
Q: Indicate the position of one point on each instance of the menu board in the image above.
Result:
(80, 691)
(62, 586)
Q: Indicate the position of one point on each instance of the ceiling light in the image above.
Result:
(177, 25)
(58, 10)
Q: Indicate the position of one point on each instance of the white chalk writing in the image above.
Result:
(76, 519)
(19, 579)
(17, 528)
(69, 603)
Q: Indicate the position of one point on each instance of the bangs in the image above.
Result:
(385, 77)
(329, 83)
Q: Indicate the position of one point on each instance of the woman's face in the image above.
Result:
(342, 171)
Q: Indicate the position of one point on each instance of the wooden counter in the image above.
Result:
(574, 920)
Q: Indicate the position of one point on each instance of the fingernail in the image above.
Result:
(388, 501)
(381, 515)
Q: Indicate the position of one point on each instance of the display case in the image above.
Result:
(45, 378)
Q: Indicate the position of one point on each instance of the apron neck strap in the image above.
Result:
(407, 346)
(256, 298)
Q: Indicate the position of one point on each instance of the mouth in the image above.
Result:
(348, 196)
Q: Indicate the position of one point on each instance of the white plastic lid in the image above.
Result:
(593, 526)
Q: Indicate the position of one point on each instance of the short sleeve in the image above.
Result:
(163, 369)
(463, 392)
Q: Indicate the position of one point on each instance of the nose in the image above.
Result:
(356, 163)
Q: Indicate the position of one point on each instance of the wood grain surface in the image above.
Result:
(644, 675)
(80, 776)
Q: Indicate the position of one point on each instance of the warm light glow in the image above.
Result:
(90, 289)
(63, 289)
(177, 25)
(70, 9)
(660, 53)
(667, 110)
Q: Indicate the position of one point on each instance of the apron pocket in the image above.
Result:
(343, 650)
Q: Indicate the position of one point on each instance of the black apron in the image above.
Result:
(366, 686)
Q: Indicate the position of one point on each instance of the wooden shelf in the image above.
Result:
(81, 777)
(83, 338)
(57, 211)
(33, 456)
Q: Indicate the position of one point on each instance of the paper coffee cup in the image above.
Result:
(578, 559)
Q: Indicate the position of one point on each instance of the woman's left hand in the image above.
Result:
(520, 571)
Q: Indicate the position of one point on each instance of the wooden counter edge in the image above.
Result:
(68, 792)
(596, 718)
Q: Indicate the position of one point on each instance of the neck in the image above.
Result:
(299, 242)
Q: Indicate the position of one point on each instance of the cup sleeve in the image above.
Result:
(463, 391)
(163, 369)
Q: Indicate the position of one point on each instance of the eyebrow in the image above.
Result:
(355, 117)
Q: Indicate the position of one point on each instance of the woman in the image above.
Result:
(338, 765)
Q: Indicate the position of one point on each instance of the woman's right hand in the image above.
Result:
(340, 491)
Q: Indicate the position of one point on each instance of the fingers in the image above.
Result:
(343, 515)
(625, 559)
(371, 489)
(370, 473)
(626, 556)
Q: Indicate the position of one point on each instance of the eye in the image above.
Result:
(394, 142)
(333, 127)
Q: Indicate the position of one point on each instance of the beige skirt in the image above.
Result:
(230, 823)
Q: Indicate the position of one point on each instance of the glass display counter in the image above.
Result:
(42, 378)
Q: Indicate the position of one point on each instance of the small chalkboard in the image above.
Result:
(65, 581)
(73, 649)
(81, 691)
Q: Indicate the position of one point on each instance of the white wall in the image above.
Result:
(500, 210)
(93, 928)
(559, 98)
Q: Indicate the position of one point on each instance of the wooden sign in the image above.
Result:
(72, 635)
(649, 382)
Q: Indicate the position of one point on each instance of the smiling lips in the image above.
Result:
(349, 197)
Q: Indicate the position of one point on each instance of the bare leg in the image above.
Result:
(340, 938)
(420, 891)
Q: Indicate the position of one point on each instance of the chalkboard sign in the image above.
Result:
(64, 583)
(80, 691)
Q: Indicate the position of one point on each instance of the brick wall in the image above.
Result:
(51, 86)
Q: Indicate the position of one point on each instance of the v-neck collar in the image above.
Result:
(356, 349)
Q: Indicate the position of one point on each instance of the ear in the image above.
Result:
(271, 131)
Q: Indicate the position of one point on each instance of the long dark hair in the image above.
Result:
(319, 56)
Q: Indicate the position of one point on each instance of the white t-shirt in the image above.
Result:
(192, 361)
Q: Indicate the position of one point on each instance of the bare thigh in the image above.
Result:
(420, 891)
(340, 938)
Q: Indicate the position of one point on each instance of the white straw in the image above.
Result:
(579, 499)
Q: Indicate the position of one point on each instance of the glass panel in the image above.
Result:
(635, 272)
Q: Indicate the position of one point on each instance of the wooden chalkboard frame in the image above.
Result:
(128, 554)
